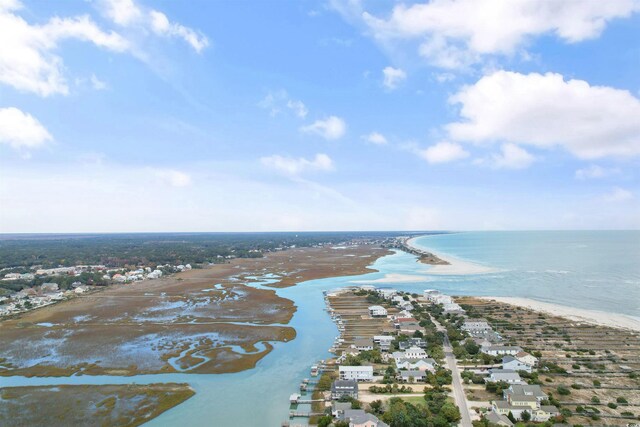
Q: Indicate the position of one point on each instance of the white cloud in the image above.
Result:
(27, 61)
(127, 13)
(122, 12)
(511, 157)
(330, 128)
(172, 177)
(375, 138)
(293, 166)
(97, 84)
(278, 101)
(443, 152)
(546, 111)
(618, 194)
(393, 77)
(20, 130)
(458, 33)
(595, 171)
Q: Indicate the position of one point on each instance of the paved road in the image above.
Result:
(458, 391)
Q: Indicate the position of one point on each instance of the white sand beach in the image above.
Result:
(596, 317)
(456, 266)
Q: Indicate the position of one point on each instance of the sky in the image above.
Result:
(141, 116)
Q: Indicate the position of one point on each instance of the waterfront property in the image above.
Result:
(356, 373)
(344, 388)
(377, 311)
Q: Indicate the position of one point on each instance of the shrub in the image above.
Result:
(595, 399)
(621, 400)
(612, 405)
(563, 391)
(596, 383)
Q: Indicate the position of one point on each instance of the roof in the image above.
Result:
(549, 408)
(355, 368)
(341, 406)
(503, 404)
(407, 374)
(344, 384)
(359, 342)
(376, 307)
(523, 398)
(358, 416)
(507, 359)
(533, 390)
(495, 418)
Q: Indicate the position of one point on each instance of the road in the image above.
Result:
(458, 391)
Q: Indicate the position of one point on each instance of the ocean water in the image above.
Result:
(596, 270)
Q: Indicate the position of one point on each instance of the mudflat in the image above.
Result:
(200, 321)
(83, 405)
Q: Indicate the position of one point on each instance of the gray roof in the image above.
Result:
(495, 418)
(415, 374)
(533, 390)
(342, 385)
(359, 416)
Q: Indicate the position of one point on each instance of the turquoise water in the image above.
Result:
(597, 270)
(586, 269)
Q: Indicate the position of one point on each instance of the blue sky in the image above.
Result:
(129, 115)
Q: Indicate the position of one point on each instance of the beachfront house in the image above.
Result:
(511, 363)
(377, 311)
(387, 293)
(344, 388)
(356, 373)
(505, 375)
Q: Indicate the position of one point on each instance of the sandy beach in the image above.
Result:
(456, 266)
(596, 317)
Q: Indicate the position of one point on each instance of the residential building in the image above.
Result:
(510, 362)
(357, 373)
(360, 418)
(498, 419)
(377, 311)
(501, 350)
(363, 344)
(415, 353)
(342, 388)
(475, 326)
(526, 358)
(412, 376)
(505, 375)
(525, 389)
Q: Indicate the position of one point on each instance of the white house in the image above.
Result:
(510, 362)
(415, 353)
(474, 326)
(377, 311)
(507, 375)
(357, 373)
(501, 350)
(526, 358)
(363, 344)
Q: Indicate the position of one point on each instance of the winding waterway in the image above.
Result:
(260, 396)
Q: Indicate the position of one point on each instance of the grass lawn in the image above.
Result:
(415, 400)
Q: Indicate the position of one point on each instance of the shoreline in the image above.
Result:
(595, 317)
(454, 266)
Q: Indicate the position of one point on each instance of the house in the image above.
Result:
(412, 376)
(357, 373)
(397, 299)
(498, 419)
(81, 289)
(363, 344)
(475, 326)
(338, 408)
(430, 294)
(387, 293)
(510, 362)
(415, 353)
(409, 327)
(505, 375)
(360, 418)
(528, 390)
(426, 364)
(526, 358)
(383, 341)
(342, 388)
(501, 350)
(545, 413)
(377, 311)
(503, 407)
(453, 308)
(412, 342)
